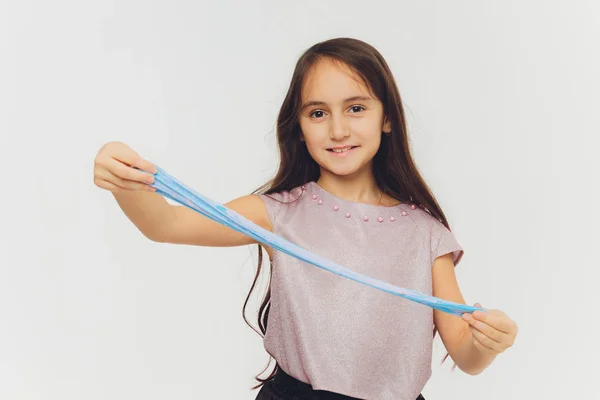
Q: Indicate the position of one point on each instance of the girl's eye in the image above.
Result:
(320, 114)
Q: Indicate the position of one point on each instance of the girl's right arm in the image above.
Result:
(154, 216)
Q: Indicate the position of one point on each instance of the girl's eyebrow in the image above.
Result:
(311, 103)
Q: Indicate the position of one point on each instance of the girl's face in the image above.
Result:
(341, 121)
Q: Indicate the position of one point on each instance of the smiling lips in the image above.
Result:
(341, 151)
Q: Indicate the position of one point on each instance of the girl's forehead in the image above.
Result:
(329, 80)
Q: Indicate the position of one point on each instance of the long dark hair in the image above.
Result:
(394, 169)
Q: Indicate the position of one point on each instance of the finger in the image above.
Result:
(486, 341)
(123, 183)
(125, 172)
(483, 349)
(106, 185)
(496, 319)
(486, 329)
(144, 165)
(133, 159)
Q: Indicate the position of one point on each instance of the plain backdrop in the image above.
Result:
(502, 103)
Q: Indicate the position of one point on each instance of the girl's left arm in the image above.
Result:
(474, 340)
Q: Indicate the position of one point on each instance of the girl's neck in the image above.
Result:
(359, 187)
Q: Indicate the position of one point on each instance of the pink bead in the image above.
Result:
(314, 196)
(335, 208)
(347, 215)
(413, 207)
(320, 202)
(404, 214)
(303, 187)
(392, 219)
(380, 219)
(366, 218)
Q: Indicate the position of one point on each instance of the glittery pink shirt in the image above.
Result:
(337, 334)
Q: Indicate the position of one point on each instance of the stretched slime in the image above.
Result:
(169, 187)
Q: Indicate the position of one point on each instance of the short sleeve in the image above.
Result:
(273, 204)
(444, 242)
(276, 203)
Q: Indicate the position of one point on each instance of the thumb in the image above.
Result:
(144, 165)
(478, 305)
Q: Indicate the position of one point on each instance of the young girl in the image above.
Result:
(347, 189)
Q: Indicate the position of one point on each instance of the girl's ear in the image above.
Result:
(387, 125)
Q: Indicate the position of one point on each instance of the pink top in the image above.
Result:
(337, 334)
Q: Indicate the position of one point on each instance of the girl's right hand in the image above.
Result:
(114, 169)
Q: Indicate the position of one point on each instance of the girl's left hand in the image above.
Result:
(493, 331)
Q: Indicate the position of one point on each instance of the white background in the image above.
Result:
(502, 100)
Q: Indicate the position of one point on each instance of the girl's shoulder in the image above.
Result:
(283, 197)
(279, 201)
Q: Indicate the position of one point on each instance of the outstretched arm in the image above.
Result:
(473, 341)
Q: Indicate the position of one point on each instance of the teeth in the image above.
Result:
(345, 149)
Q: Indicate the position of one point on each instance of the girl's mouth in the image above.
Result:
(342, 151)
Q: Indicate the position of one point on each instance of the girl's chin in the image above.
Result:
(340, 171)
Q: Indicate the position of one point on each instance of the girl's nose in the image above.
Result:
(339, 128)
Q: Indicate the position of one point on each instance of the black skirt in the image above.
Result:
(285, 387)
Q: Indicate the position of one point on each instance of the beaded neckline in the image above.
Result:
(323, 198)
(325, 193)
